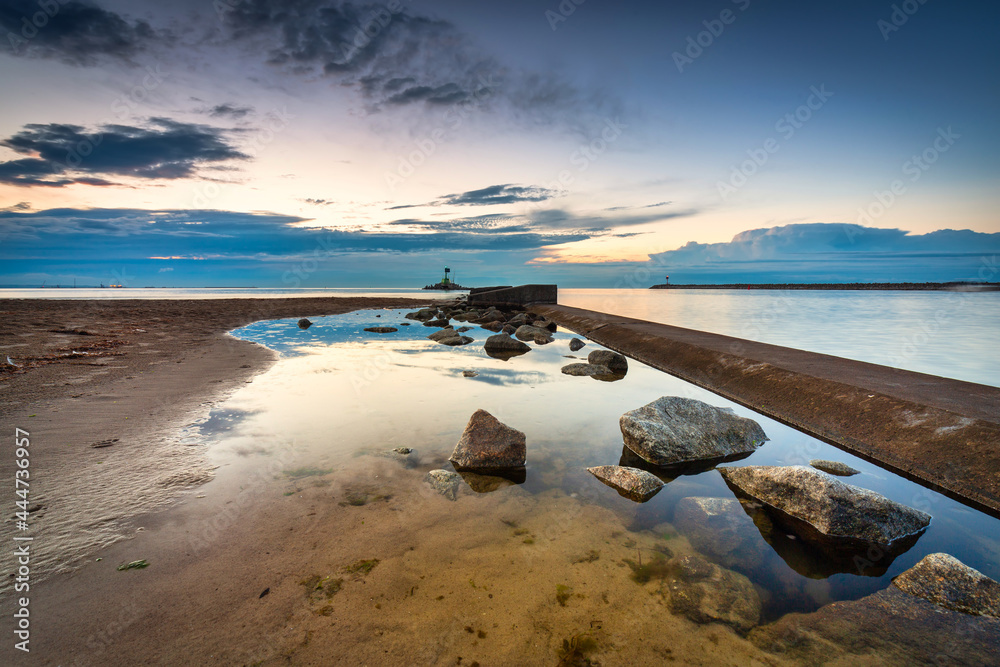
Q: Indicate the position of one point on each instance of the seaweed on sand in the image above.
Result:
(575, 649)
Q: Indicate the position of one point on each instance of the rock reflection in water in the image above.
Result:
(488, 482)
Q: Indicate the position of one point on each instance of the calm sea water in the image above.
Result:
(339, 393)
(951, 334)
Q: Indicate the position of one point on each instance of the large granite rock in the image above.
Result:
(815, 505)
(707, 593)
(487, 443)
(528, 332)
(631, 483)
(502, 343)
(576, 344)
(834, 467)
(616, 362)
(950, 583)
(893, 627)
(673, 430)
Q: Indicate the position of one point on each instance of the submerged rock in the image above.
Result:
(801, 498)
(950, 583)
(720, 529)
(487, 443)
(405, 456)
(707, 593)
(576, 344)
(444, 482)
(382, 329)
(585, 370)
(673, 430)
(834, 467)
(304, 323)
(631, 483)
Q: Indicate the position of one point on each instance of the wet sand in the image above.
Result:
(122, 374)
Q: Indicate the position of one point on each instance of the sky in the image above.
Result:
(589, 143)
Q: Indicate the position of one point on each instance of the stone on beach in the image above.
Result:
(381, 329)
(470, 374)
(487, 443)
(441, 322)
(804, 495)
(631, 483)
(616, 362)
(492, 326)
(673, 430)
(834, 467)
(449, 336)
(576, 344)
(444, 482)
(304, 323)
(950, 583)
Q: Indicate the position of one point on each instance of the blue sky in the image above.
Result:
(319, 143)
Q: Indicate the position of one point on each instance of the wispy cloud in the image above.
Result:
(489, 196)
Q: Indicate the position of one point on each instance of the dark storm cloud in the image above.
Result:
(398, 57)
(67, 154)
(73, 32)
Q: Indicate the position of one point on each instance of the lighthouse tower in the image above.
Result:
(447, 279)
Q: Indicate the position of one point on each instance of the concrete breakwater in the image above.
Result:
(940, 432)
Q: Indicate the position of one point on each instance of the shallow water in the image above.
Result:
(338, 393)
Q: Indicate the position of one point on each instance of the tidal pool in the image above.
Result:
(321, 420)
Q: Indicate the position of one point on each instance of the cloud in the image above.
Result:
(136, 233)
(65, 154)
(627, 208)
(317, 202)
(396, 57)
(73, 32)
(833, 252)
(230, 111)
(489, 196)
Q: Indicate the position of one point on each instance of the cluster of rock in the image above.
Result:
(512, 326)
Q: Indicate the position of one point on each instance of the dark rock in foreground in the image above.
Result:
(707, 593)
(576, 344)
(422, 315)
(813, 504)
(616, 362)
(528, 332)
(950, 583)
(897, 627)
(444, 482)
(631, 483)
(382, 329)
(673, 430)
(486, 443)
(304, 323)
(834, 467)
